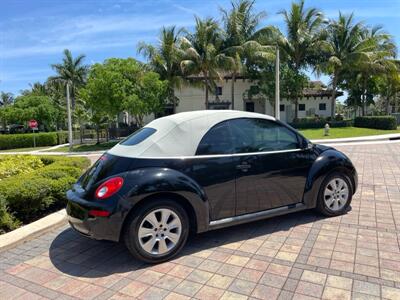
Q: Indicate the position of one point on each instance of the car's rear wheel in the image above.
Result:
(335, 195)
(157, 231)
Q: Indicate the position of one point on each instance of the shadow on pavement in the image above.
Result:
(77, 255)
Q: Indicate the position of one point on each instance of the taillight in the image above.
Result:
(109, 187)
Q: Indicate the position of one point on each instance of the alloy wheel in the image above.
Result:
(160, 231)
(336, 194)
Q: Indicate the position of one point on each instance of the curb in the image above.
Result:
(32, 230)
(371, 138)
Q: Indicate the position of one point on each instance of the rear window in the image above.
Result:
(138, 136)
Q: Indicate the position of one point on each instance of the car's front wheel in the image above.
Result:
(157, 231)
(335, 195)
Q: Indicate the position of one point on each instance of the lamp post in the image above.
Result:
(277, 96)
(70, 140)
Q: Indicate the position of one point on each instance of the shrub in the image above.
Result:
(14, 141)
(376, 122)
(7, 221)
(11, 165)
(28, 195)
(313, 122)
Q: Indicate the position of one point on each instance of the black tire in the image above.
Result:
(131, 236)
(322, 207)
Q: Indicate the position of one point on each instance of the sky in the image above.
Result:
(33, 33)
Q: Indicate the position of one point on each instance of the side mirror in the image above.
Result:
(306, 144)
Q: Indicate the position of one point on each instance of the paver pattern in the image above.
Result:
(298, 256)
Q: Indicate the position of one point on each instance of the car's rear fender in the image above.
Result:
(146, 184)
(327, 162)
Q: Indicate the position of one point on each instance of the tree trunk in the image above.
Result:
(387, 105)
(296, 107)
(333, 96)
(206, 81)
(81, 131)
(233, 90)
(173, 100)
(98, 133)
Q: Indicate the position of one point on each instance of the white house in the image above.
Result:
(315, 100)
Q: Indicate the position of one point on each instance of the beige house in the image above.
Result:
(315, 101)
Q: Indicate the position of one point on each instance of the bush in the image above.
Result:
(28, 196)
(313, 122)
(11, 165)
(7, 221)
(376, 122)
(14, 141)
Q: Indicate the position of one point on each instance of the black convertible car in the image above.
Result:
(202, 170)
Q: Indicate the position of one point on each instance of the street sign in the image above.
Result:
(33, 124)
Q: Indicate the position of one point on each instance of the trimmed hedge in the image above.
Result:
(28, 196)
(25, 140)
(306, 123)
(376, 122)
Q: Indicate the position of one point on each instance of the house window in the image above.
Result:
(322, 106)
(302, 107)
(281, 107)
(219, 105)
(250, 106)
(218, 91)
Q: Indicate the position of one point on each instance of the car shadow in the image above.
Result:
(76, 255)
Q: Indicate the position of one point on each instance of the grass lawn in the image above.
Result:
(25, 149)
(344, 132)
(86, 147)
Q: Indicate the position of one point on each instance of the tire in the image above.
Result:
(334, 202)
(147, 240)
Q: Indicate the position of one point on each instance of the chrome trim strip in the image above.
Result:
(256, 215)
(220, 155)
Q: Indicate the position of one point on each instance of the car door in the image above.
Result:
(271, 167)
(213, 168)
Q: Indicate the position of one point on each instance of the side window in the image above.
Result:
(259, 135)
(216, 141)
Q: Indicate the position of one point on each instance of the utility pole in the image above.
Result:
(277, 96)
(70, 139)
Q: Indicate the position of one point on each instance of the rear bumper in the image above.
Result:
(99, 228)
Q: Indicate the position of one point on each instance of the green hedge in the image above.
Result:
(25, 140)
(28, 196)
(376, 122)
(306, 123)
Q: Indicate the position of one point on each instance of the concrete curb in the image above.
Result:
(370, 138)
(32, 230)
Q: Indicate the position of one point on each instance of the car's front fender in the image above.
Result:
(327, 162)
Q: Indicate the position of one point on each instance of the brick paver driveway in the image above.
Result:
(296, 256)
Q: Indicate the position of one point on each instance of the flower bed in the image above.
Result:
(35, 187)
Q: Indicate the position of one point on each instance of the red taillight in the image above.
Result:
(109, 187)
(99, 213)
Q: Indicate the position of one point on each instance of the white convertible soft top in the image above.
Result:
(179, 135)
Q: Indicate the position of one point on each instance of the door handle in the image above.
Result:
(243, 167)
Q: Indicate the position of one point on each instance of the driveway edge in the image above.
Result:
(32, 230)
(368, 138)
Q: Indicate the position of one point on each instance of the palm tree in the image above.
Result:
(6, 99)
(203, 53)
(378, 61)
(345, 48)
(71, 71)
(165, 59)
(240, 24)
(304, 38)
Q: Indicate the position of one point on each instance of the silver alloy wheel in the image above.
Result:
(336, 194)
(160, 231)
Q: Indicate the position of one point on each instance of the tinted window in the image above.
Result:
(138, 136)
(281, 107)
(216, 141)
(258, 135)
(302, 107)
(322, 106)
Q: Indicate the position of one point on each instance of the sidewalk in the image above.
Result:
(370, 138)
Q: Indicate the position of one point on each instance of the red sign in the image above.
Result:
(33, 124)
